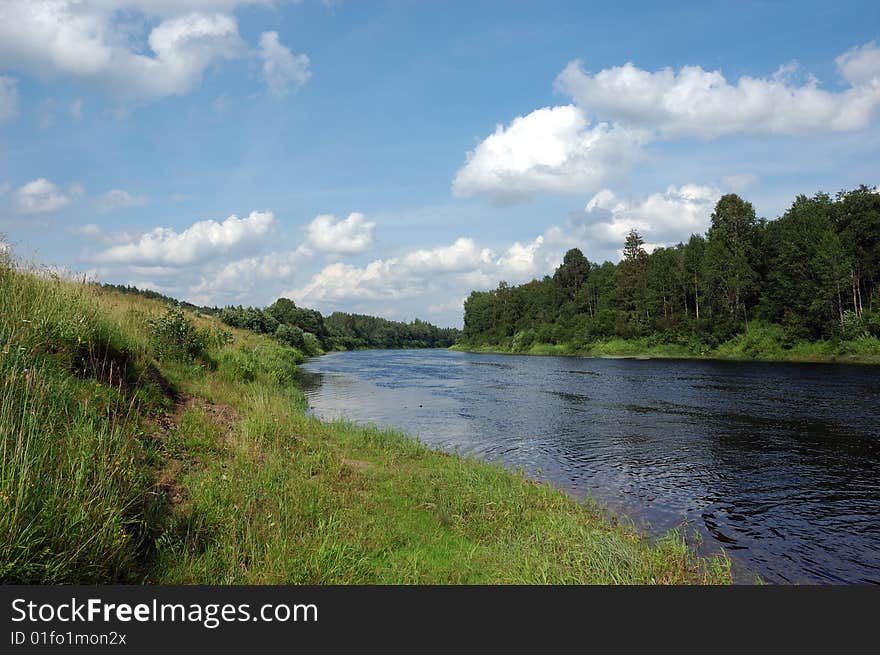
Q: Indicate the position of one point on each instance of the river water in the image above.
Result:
(779, 464)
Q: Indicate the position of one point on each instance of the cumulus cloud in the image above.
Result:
(349, 236)
(201, 242)
(462, 255)
(662, 218)
(103, 41)
(697, 102)
(860, 66)
(281, 68)
(41, 196)
(8, 98)
(551, 149)
(579, 147)
(426, 272)
(214, 262)
(237, 280)
(118, 199)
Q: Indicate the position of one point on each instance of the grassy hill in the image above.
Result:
(143, 444)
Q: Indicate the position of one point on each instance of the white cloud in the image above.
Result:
(580, 147)
(8, 98)
(462, 255)
(118, 199)
(105, 41)
(328, 234)
(697, 102)
(662, 218)
(860, 66)
(521, 259)
(236, 281)
(201, 242)
(40, 196)
(281, 68)
(441, 272)
(551, 149)
(340, 281)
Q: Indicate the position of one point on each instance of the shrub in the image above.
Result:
(311, 345)
(173, 336)
(290, 335)
(523, 339)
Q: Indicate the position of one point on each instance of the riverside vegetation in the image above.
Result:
(803, 287)
(143, 443)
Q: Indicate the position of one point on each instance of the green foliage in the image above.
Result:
(290, 335)
(355, 331)
(307, 330)
(173, 336)
(311, 345)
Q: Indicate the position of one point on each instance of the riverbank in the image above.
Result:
(762, 344)
(143, 445)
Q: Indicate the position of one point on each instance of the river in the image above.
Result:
(779, 464)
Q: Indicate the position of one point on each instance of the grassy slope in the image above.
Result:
(115, 466)
(762, 343)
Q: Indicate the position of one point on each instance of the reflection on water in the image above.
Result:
(777, 463)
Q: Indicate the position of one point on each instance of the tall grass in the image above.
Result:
(73, 493)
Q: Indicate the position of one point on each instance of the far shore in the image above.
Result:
(623, 349)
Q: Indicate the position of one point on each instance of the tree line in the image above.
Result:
(813, 274)
(310, 332)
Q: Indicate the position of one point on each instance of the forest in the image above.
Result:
(810, 276)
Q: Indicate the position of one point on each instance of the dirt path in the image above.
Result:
(164, 426)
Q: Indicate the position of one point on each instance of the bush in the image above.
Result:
(173, 336)
(290, 335)
(523, 339)
(311, 345)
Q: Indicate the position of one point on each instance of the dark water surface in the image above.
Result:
(777, 463)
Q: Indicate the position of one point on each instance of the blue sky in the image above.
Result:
(388, 157)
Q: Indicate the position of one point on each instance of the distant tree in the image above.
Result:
(808, 273)
(283, 310)
(632, 280)
(731, 254)
(572, 274)
(856, 215)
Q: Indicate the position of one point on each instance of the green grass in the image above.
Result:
(124, 461)
(762, 342)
